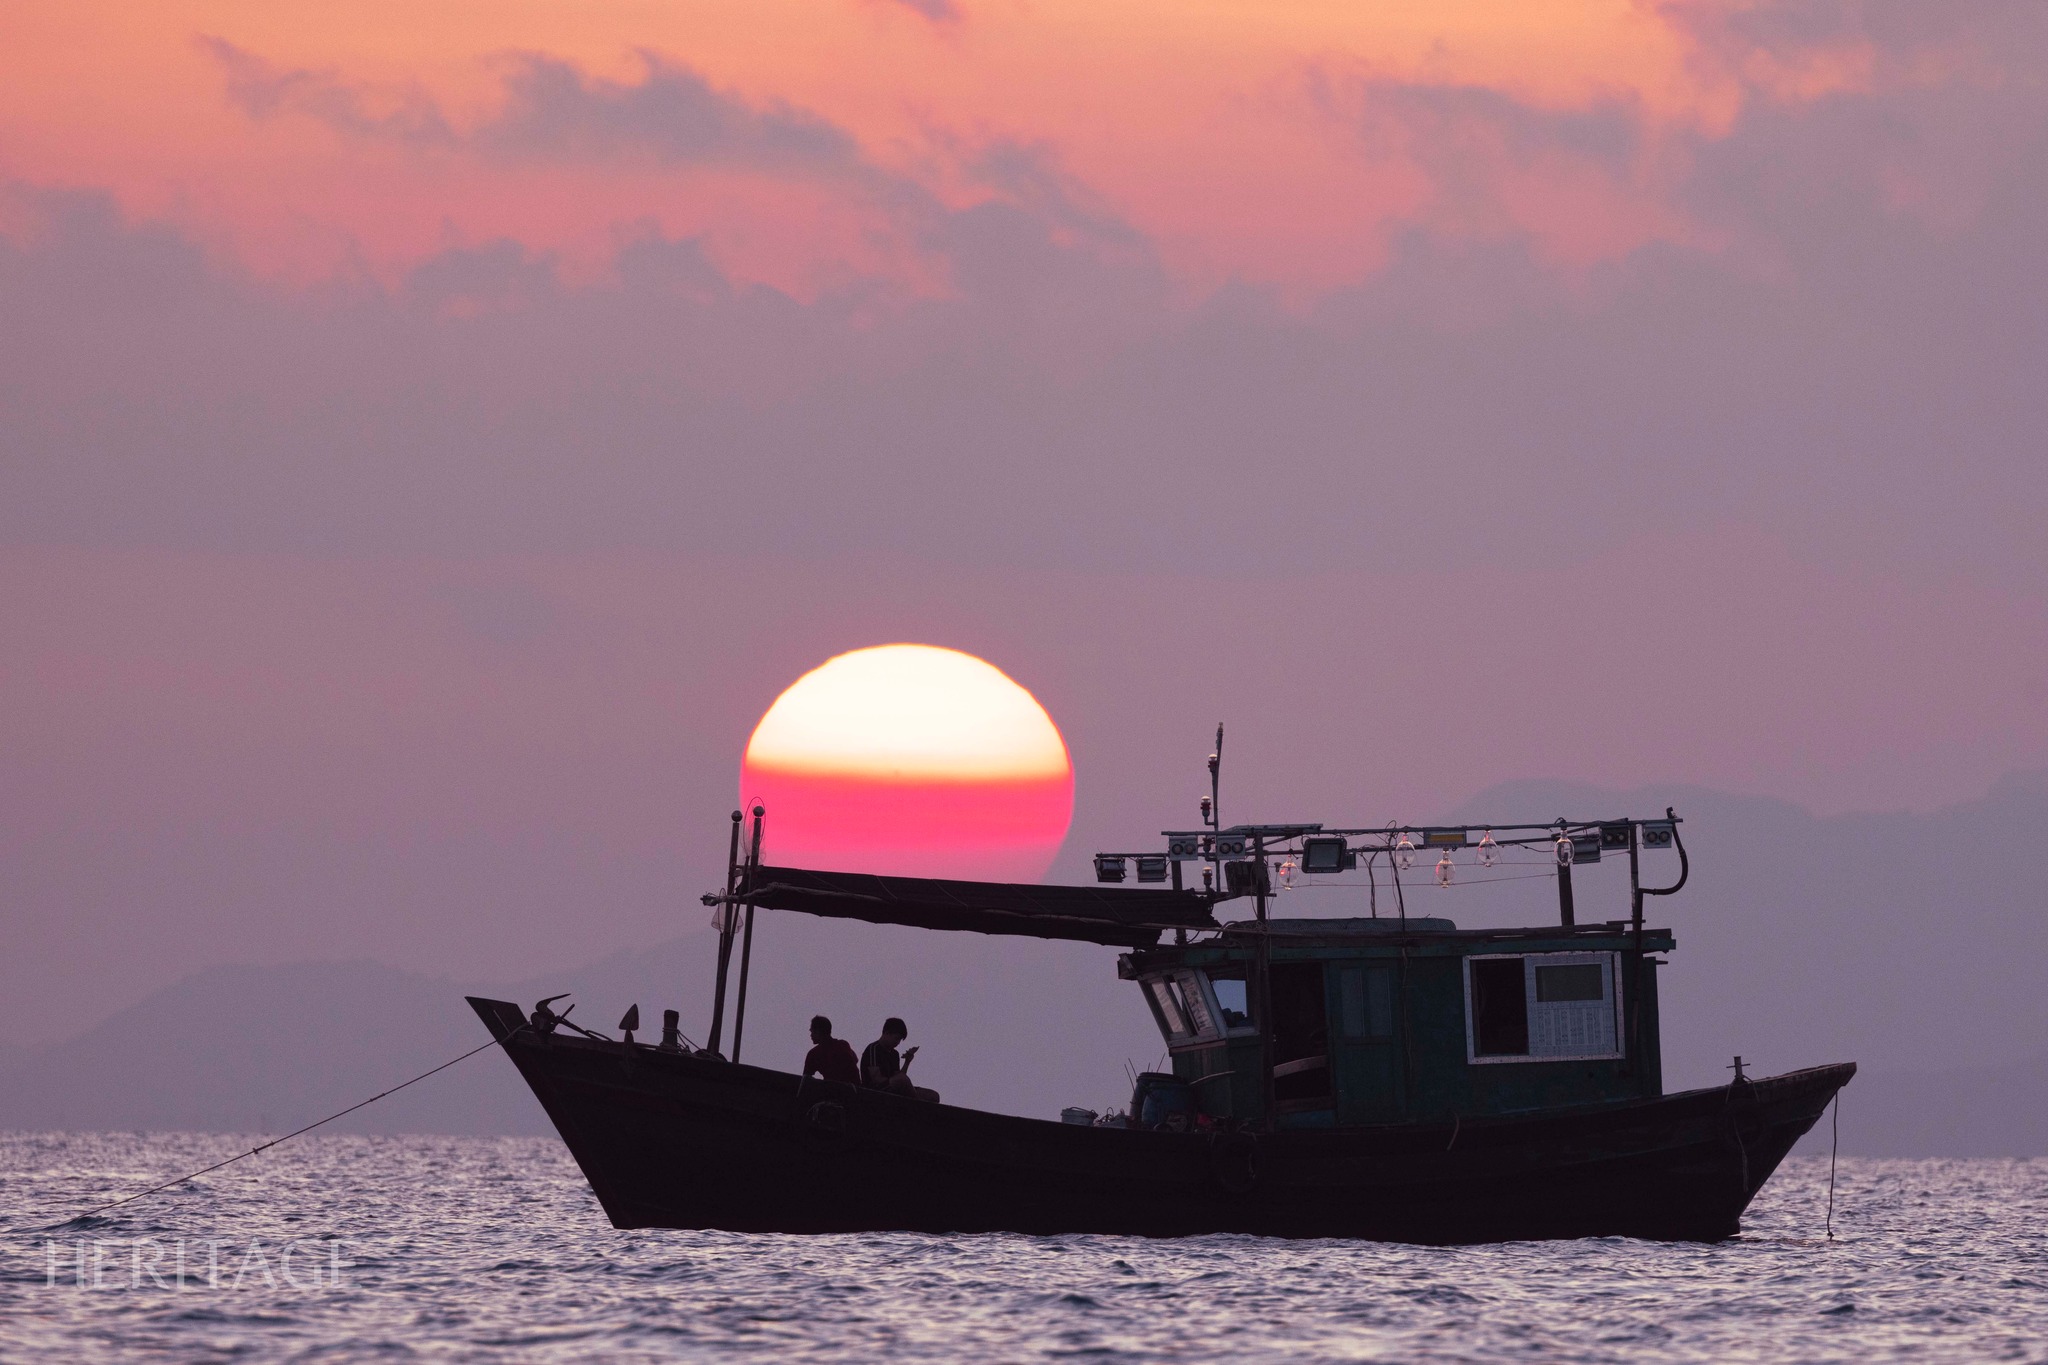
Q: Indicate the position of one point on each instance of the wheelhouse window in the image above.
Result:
(1233, 1001)
(1542, 1007)
(1173, 1014)
(1195, 1004)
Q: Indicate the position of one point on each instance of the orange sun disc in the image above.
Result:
(914, 760)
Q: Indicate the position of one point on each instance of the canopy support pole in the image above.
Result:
(739, 1008)
(725, 926)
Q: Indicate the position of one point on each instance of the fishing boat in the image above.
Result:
(1379, 1076)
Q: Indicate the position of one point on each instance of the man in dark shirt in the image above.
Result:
(881, 1068)
(831, 1058)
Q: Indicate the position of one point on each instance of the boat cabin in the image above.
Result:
(1377, 1021)
(1298, 1023)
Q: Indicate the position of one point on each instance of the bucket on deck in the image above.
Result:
(1084, 1117)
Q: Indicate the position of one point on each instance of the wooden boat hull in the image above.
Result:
(676, 1141)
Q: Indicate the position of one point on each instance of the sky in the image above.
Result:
(430, 437)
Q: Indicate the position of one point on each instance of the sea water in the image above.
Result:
(354, 1248)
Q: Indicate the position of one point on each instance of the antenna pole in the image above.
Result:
(725, 919)
(1216, 805)
(1264, 973)
(1566, 914)
(1635, 969)
(739, 1007)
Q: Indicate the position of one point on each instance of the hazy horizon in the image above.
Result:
(426, 451)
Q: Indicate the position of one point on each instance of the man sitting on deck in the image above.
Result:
(882, 1069)
(832, 1058)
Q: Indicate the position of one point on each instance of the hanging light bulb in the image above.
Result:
(1288, 869)
(1489, 851)
(1446, 870)
(1404, 853)
(1564, 850)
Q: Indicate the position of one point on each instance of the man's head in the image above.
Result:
(821, 1029)
(894, 1031)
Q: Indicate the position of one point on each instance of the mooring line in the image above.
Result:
(158, 1189)
(1833, 1149)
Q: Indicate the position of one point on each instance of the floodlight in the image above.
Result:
(1658, 833)
(1230, 846)
(1247, 877)
(1108, 867)
(1151, 869)
(1586, 848)
(1183, 846)
(1323, 855)
(1618, 835)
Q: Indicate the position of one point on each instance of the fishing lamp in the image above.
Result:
(1230, 847)
(1404, 853)
(1325, 855)
(1151, 869)
(1183, 846)
(1446, 870)
(1288, 869)
(1108, 867)
(1658, 833)
(1616, 835)
(1586, 847)
(1489, 851)
(1246, 877)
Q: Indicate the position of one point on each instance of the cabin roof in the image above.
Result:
(1338, 939)
(1325, 928)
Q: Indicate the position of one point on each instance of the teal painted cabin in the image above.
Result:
(1381, 1021)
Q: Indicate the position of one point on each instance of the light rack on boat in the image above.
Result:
(1238, 860)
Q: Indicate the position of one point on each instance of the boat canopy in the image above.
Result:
(1091, 914)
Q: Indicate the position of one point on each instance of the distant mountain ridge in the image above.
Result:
(1910, 944)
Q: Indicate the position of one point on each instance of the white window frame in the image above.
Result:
(1194, 995)
(1166, 984)
(1556, 959)
(1189, 990)
(1215, 1007)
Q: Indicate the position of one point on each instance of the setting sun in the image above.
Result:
(911, 759)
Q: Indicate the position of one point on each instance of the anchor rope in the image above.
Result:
(1834, 1148)
(264, 1147)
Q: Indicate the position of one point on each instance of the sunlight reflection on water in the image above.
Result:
(493, 1248)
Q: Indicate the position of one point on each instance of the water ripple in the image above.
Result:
(493, 1249)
